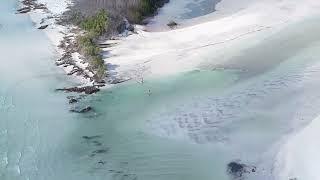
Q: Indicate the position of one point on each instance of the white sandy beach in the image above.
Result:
(188, 48)
(299, 157)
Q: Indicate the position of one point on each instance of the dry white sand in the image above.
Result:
(184, 49)
(299, 157)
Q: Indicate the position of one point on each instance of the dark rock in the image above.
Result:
(101, 151)
(91, 137)
(30, 5)
(121, 27)
(72, 101)
(107, 45)
(130, 27)
(97, 143)
(43, 27)
(24, 10)
(125, 25)
(74, 70)
(236, 169)
(71, 97)
(101, 162)
(86, 89)
(84, 110)
(172, 24)
(117, 80)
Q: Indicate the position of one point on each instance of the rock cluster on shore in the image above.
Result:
(69, 47)
(29, 5)
(71, 58)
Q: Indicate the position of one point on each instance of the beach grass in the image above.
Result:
(94, 26)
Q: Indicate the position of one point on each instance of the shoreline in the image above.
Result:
(62, 37)
(142, 54)
(59, 34)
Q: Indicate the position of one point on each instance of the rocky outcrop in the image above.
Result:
(70, 48)
(85, 89)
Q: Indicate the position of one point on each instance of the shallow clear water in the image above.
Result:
(188, 128)
(179, 10)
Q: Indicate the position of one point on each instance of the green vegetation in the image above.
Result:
(94, 27)
(144, 9)
(101, 22)
(147, 7)
(96, 24)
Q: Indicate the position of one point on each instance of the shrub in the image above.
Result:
(96, 24)
(97, 62)
(147, 7)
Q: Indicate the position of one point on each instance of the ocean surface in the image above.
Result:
(189, 127)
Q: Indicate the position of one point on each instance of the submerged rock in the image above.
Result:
(102, 162)
(84, 110)
(99, 151)
(97, 143)
(72, 101)
(237, 169)
(118, 80)
(91, 137)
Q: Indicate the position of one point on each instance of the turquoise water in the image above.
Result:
(190, 126)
